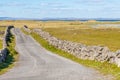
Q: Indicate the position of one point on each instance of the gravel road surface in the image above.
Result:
(36, 63)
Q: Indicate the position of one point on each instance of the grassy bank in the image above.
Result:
(11, 57)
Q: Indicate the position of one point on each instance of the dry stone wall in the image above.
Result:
(4, 51)
(97, 53)
(26, 29)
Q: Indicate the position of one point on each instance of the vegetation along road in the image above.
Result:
(36, 63)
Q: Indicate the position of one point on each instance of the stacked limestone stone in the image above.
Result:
(97, 53)
(4, 51)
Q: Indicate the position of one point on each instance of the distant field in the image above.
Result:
(88, 32)
(57, 24)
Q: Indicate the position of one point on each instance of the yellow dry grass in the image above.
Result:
(77, 31)
(46, 24)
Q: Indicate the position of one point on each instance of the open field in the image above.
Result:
(57, 24)
(102, 37)
(87, 32)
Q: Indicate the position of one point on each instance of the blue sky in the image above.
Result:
(60, 8)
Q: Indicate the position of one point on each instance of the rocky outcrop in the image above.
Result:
(4, 51)
(97, 53)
